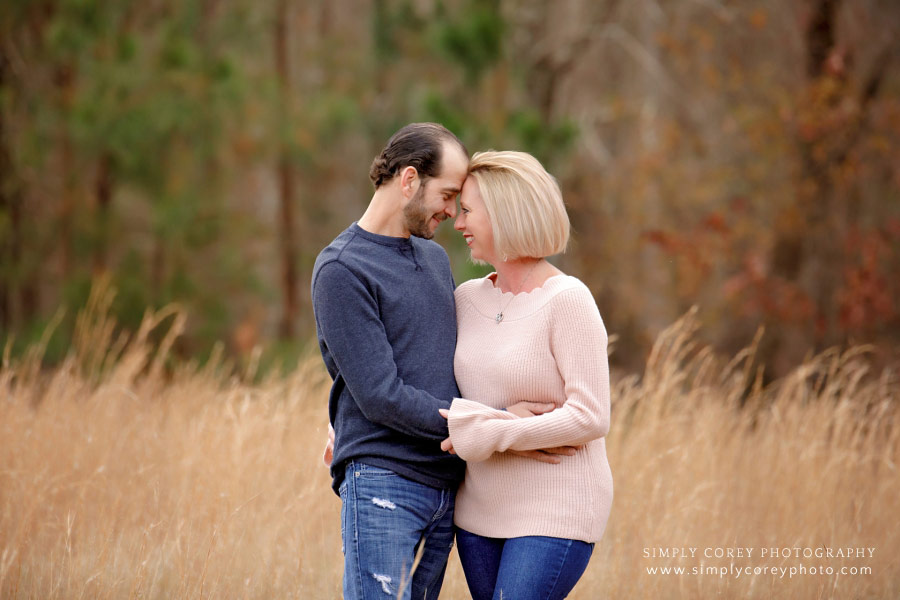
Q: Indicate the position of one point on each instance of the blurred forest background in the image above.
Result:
(741, 156)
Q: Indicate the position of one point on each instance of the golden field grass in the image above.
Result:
(122, 476)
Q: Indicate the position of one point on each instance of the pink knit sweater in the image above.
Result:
(550, 347)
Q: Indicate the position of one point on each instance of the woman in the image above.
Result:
(526, 529)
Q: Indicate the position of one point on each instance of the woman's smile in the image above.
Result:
(473, 222)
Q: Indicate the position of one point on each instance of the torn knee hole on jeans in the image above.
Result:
(384, 503)
(385, 582)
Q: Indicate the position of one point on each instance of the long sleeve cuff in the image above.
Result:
(473, 429)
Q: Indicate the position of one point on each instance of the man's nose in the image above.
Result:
(451, 210)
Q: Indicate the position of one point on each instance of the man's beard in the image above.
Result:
(416, 217)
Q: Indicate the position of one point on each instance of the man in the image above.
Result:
(386, 324)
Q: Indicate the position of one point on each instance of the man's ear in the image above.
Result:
(409, 181)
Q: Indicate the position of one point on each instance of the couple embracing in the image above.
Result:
(476, 412)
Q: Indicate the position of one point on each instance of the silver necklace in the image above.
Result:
(499, 316)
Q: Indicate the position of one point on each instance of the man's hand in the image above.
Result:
(446, 445)
(547, 455)
(329, 447)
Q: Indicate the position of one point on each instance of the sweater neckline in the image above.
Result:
(488, 300)
(547, 285)
(384, 240)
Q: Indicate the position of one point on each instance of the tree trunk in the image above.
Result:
(103, 193)
(65, 82)
(288, 240)
(822, 253)
(8, 237)
(820, 36)
(15, 279)
(803, 255)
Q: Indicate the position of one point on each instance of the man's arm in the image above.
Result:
(348, 321)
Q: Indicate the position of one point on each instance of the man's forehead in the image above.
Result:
(454, 163)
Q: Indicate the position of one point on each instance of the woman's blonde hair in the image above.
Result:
(523, 202)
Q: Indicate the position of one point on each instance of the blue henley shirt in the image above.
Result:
(386, 326)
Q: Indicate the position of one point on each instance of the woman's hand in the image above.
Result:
(446, 445)
(530, 409)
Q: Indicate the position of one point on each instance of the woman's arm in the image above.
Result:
(578, 342)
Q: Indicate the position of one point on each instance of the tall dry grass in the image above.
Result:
(123, 476)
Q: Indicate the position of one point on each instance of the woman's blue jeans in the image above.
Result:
(522, 568)
(384, 518)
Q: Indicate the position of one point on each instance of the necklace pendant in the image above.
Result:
(499, 317)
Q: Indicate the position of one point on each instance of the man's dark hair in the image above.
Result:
(418, 145)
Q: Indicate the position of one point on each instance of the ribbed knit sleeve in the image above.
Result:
(578, 343)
